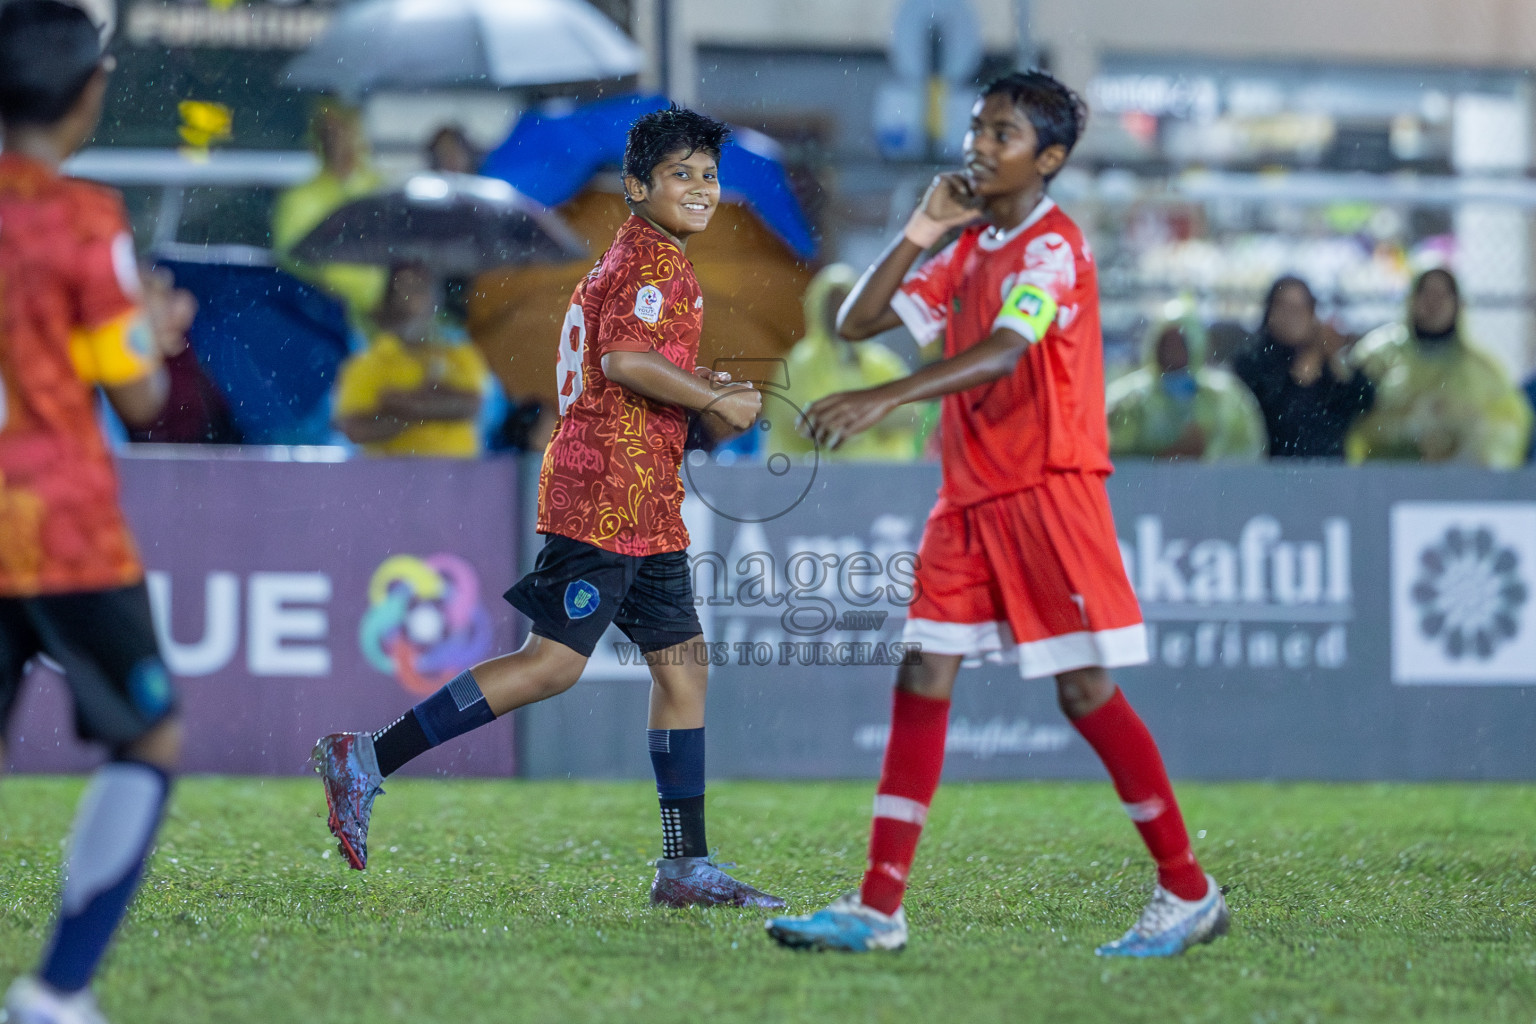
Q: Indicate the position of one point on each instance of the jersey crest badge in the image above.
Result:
(648, 303)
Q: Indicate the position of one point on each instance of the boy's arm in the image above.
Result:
(432, 402)
(652, 375)
(166, 313)
(838, 417)
(947, 204)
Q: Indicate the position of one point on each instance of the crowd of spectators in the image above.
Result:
(1414, 390)
(1418, 389)
(1292, 386)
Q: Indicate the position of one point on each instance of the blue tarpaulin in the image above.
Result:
(550, 157)
(272, 343)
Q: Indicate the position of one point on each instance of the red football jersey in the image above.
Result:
(1039, 280)
(68, 321)
(610, 475)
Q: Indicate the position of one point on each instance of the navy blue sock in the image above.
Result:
(677, 756)
(114, 831)
(454, 710)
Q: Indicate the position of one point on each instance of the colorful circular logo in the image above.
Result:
(425, 623)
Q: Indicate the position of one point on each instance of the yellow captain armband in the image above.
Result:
(1029, 309)
(120, 351)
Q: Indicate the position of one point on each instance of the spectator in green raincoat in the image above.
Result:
(821, 363)
(346, 173)
(1439, 397)
(1177, 407)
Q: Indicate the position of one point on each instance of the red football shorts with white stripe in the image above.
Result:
(1033, 578)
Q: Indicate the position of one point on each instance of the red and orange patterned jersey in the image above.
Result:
(68, 321)
(610, 476)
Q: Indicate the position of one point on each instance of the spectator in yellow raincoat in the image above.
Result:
(1176, 407)
(420, 385)
(821, 363)
(346, 173)
(1439, 397)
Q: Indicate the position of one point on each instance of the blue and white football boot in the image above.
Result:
(847, 925)
(1169, 925)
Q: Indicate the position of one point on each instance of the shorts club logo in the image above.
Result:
(648, 304)
(581, 600)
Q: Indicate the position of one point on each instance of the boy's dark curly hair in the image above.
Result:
(653, 136)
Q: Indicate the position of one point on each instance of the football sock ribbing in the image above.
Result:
(400, 741)
(1122, 741)
(914, 760)
(113, 832)
(677, 757)
(454, 710)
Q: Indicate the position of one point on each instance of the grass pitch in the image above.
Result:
(511, 901)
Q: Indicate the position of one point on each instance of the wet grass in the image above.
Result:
(509, 901)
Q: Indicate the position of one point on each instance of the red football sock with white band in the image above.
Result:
(1120, 738)
(914, 759)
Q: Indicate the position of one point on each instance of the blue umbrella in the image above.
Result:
(550, 157)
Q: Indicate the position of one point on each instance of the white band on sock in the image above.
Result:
(899, 808)
(1145, 810)
(114, 825)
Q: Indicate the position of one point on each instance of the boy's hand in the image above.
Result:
(713, 376)
(738, 406)
(948, 203)
(168, 309)
(832, 420)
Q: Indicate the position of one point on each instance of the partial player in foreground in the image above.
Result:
(610, 505)
(74, 315)
(1019, 560)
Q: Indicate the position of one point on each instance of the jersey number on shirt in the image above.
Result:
(573, 350)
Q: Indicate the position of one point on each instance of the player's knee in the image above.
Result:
(680, 682)
(557, 682)
(929, 675)
(1083, 691)
(160, 746)
(553, 667)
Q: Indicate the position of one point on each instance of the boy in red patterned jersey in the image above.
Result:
(74, 315)
(610, 505)
(1019, 560)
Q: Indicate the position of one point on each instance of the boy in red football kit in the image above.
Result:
(1019, 560)
(610, 506)
(74, 315)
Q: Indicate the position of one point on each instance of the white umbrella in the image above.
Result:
(404, 44)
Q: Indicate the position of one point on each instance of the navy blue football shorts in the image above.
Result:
(576, 590)
(104, 640)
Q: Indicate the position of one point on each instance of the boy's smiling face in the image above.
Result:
(1000, 150)
(682, 194)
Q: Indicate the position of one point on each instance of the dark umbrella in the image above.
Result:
(456, 224)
